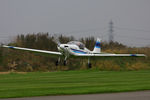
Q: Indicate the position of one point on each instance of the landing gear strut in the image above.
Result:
(65, 61)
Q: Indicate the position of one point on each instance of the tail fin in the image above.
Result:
(97, 48)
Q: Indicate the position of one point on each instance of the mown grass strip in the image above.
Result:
(72, 82)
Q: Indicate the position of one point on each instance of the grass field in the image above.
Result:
(72, 82)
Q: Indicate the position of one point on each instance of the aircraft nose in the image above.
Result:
(63, 46)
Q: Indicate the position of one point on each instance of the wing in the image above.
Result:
(33, 50)
(110, 55)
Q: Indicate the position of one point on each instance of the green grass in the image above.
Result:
(72, 82)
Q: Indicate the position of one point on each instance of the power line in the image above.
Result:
(130, 29)
(133, 37)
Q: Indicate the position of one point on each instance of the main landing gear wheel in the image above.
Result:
(56, 63)
(89, 65)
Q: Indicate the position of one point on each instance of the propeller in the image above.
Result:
(56, 40)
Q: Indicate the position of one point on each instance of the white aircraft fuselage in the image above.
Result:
(72, 49)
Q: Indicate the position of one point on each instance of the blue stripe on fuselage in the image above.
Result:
(133, 55)
(78, 51)
(97, 47)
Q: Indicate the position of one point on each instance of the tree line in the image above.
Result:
(16, 60)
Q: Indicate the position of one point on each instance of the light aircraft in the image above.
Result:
(76, 49)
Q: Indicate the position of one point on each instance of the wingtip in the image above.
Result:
(5, 46)
(142, 55)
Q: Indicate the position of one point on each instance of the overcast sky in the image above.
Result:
(80, 18)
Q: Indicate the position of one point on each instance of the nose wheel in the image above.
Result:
(57, 62)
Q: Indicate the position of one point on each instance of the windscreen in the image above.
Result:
(79, 44)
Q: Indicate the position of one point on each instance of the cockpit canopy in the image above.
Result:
(79, 44)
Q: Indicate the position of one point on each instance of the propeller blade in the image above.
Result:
(56, 40)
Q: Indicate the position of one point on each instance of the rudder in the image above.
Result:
(97, 48)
